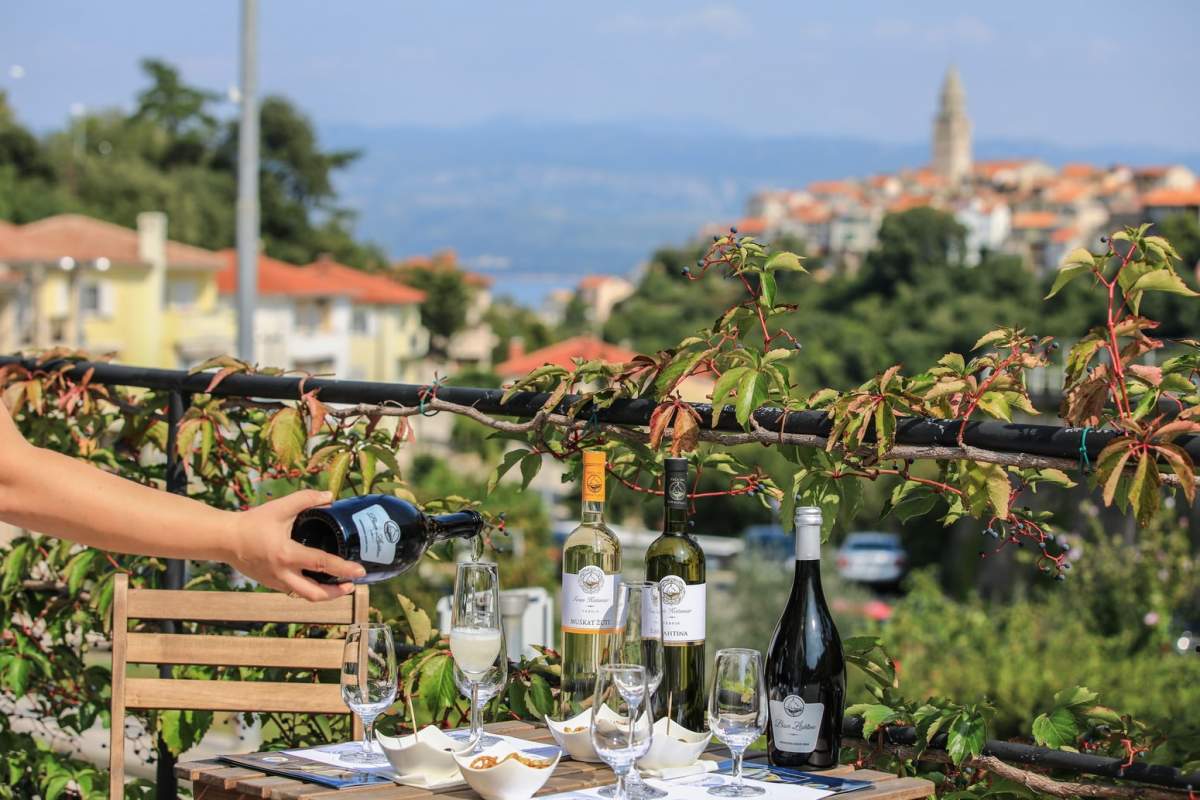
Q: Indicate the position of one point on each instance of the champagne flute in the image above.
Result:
(490, 685)
(620, 726)
(737, 711)
(368, 682)
(476, 640)
(639, 641)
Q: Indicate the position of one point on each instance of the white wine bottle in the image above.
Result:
(806, 671)
(591, 581)
(676, 563)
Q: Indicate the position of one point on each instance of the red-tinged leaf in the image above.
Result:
(14, 398)
(185, 437)
(1114, 475)
(686, 433)
(886, 378)
(372, 423)
(1181, 465)
(1174, 429)
(339, 465)
(659, 421)
(207, 440)
(323, 454)
(221, 375)
(1143, 489)
(1151, 375)
(316, 412)
(404, 432)
(285, 432)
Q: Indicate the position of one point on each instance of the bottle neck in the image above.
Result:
(458, 525)
(592, 512)
(808, 543)
(676, 520)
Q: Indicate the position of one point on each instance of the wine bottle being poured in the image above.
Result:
(385, 534)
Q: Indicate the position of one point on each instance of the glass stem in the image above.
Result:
(368, 734)
(737, 768)
(619, 789)
(476, 727)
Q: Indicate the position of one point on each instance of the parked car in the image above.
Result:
(771, 542)
(872, 557)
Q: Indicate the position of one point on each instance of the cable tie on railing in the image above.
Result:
(428, 392)
(1085, 463)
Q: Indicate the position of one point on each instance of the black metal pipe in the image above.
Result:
(1031, 755)
(1043, 440)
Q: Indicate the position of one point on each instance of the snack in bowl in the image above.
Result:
(574, 735)
(678, 748)
(501, 772)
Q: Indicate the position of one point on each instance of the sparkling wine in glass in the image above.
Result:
(639, 641)
(368, 683)
(492, 684)
(476, 640)
(737, 711)
(620, 728)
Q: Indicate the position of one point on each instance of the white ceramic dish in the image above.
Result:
(428, 756)
(679, 748)
(508, 780)
(575, 736)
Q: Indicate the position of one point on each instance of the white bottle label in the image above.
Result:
(796, 724)
(651, 621)
(684, 607)
(589, 601)
(377, 535)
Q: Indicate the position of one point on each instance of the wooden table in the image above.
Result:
(214, 780)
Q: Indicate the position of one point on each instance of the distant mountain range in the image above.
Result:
(539, 206)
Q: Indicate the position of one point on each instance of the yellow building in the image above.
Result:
(90, 285)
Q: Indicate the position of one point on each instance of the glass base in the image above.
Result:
(359, 757)
(734, 790)
(634, 791)
(486, 740)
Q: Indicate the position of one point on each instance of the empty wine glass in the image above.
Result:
(639, 641)
(492, 684)
(368, 682)
(476, 640)
(737, 711)
(620, 726)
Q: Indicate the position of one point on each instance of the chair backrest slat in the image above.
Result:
(181, 693)
(237, 607)
(233, 651)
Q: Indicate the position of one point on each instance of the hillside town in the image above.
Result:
(1021, 206)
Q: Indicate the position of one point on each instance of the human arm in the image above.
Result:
(57, 495)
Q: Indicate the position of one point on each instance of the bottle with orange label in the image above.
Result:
(591, 581)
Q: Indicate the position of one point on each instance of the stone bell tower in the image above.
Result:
(952, 132)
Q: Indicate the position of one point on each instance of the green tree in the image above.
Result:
(180, 110)
(575, 317)
(511, 320)
(444, 311)
(910, 243)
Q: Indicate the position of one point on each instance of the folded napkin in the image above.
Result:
(669, 773)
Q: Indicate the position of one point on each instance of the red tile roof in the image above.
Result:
(906, 201)
(86, 239)
(596, 281)
(369, 288)
(1078, 170)
(833, 187)
(562, 353)
(1065, 191)
(1173, 198)
(281, 279)
(812, 214)
(989, 169)
(751, 226)
(1064, 235)
(442, 261)
(1034, 220)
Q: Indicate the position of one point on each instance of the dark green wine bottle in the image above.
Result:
(676, 562)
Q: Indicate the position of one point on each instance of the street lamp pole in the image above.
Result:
(247, 198)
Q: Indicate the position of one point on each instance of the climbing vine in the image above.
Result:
(238, 452)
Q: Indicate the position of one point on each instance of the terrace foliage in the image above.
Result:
(55, 597)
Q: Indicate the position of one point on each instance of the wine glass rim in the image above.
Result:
(465, 564)
(621, 667)
(738, 651)
(369, 626)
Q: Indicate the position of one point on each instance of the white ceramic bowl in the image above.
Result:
(429, 755)
(508, 780)
(679, 748)
(575, 736)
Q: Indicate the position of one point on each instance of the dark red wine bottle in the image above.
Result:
(805, 670)
(385, 534)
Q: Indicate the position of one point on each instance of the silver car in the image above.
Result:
(872, 557)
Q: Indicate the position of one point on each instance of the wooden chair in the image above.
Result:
(208, 650)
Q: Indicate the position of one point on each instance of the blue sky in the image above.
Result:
(1042, 70)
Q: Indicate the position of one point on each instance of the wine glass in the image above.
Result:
(476, 640)
(639, 641)
(737, 711)
(490, 685)
(620, 726)
(368, 682)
